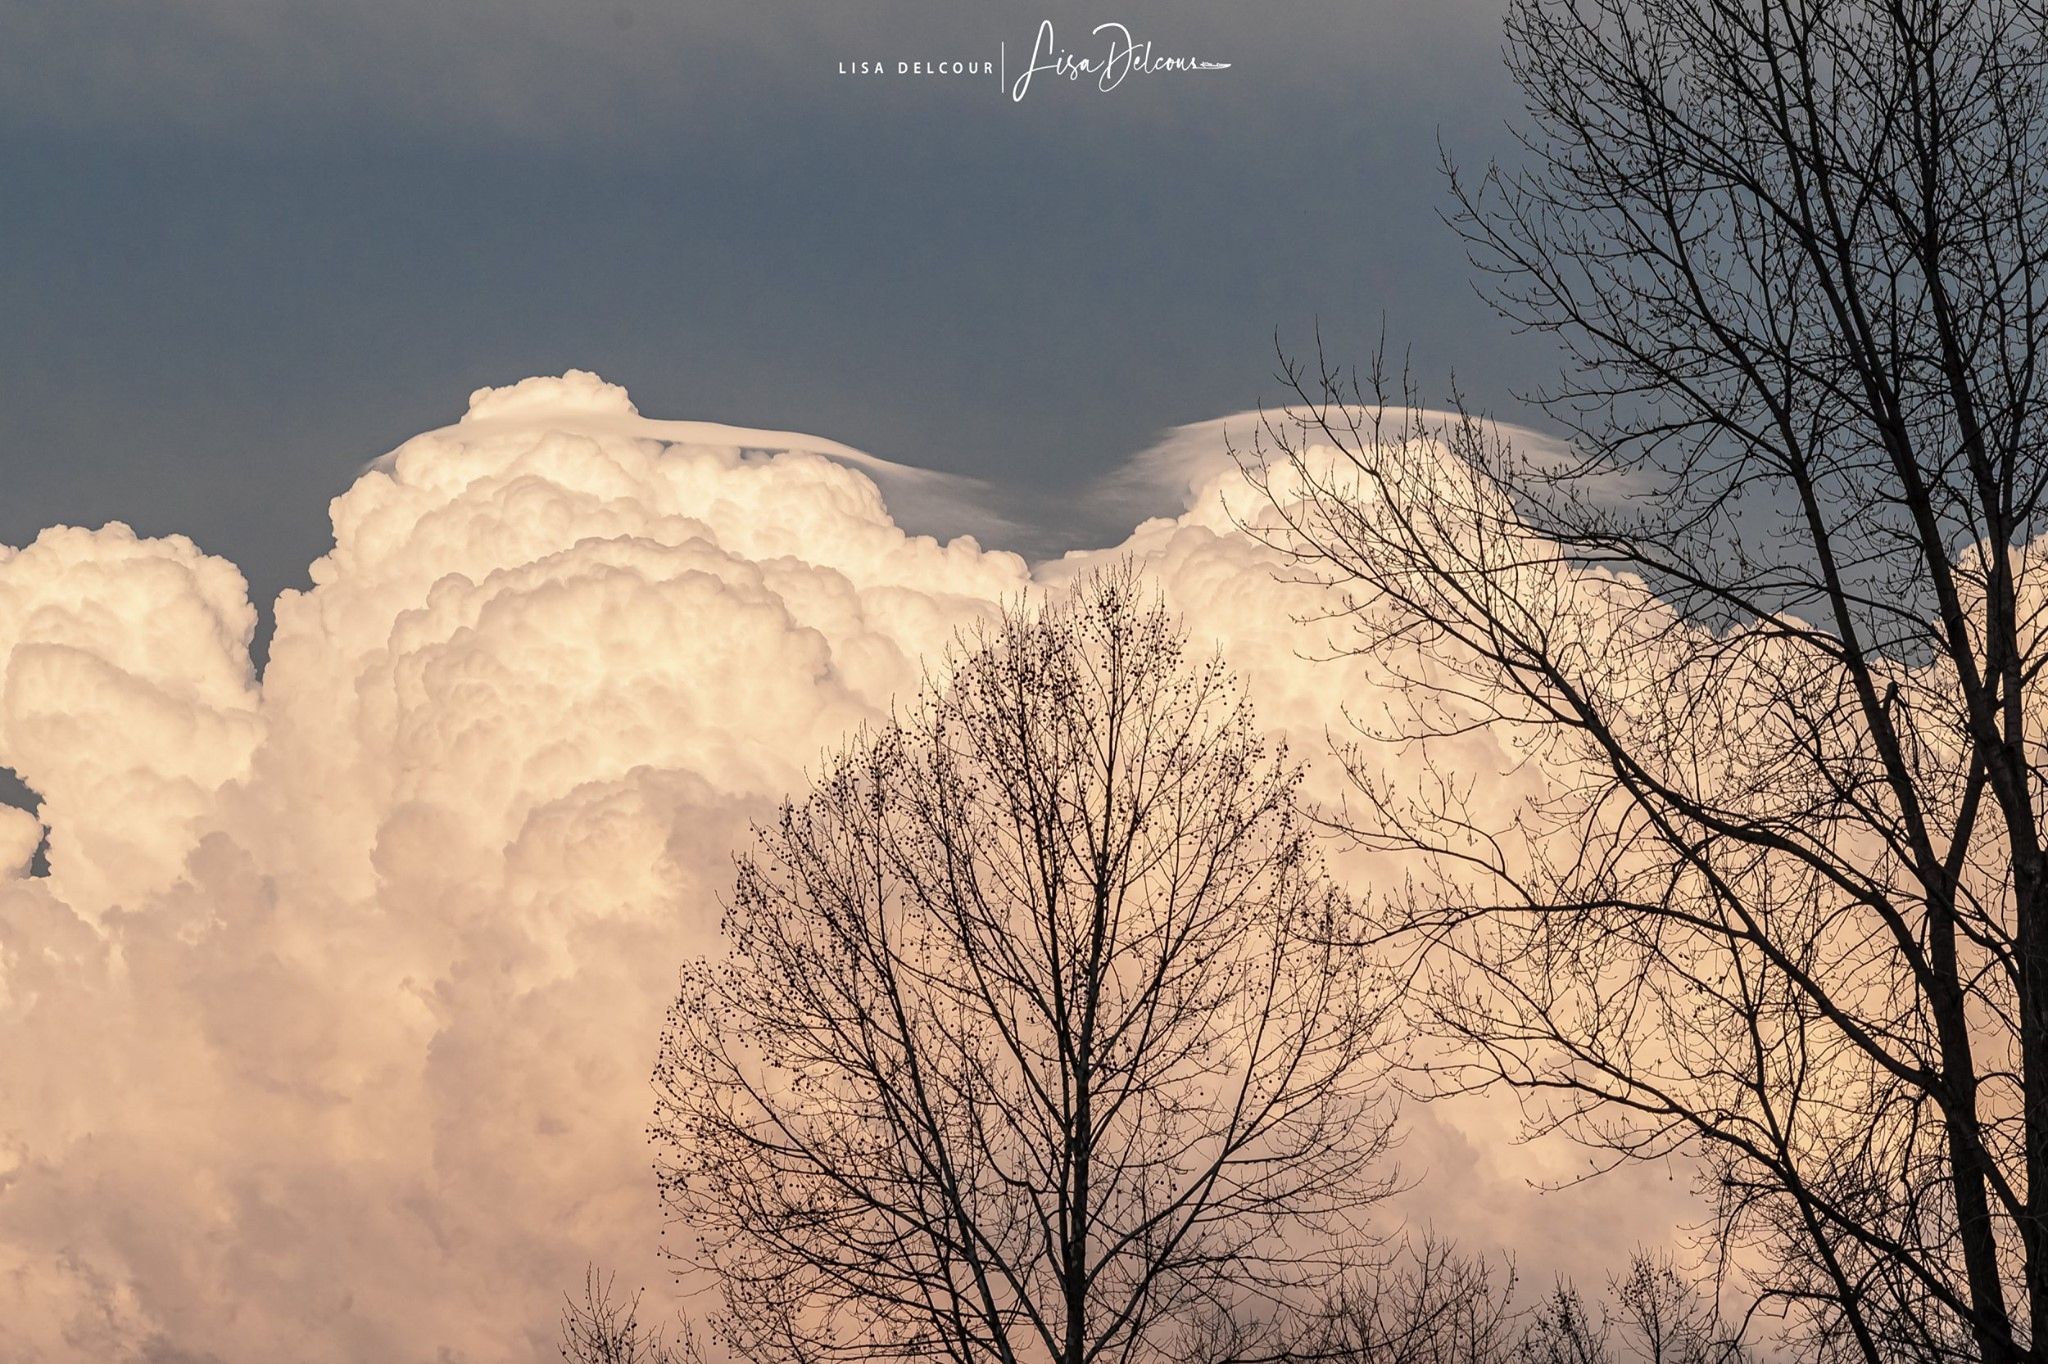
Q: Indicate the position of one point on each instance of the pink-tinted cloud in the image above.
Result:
(329, 1029)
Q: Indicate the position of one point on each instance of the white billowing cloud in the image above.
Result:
(329, 1030)
(126, 699)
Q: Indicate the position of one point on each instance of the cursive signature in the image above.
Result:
(1124, 57)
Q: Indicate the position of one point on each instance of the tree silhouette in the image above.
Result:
(1772, 628)
(1033, 1041)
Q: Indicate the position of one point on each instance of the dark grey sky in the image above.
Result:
(251, 244)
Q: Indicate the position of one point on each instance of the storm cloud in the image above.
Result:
(329, 1026)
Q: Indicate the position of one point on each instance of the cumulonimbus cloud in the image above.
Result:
(328, 1030)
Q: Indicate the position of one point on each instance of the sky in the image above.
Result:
(379, 768)
(253, 244)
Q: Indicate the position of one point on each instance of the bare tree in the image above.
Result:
(605, 1328)
(1772, 629)
(1666, 1319)
(1430, 1304)
(1032, 1043)
(1427, 1305)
